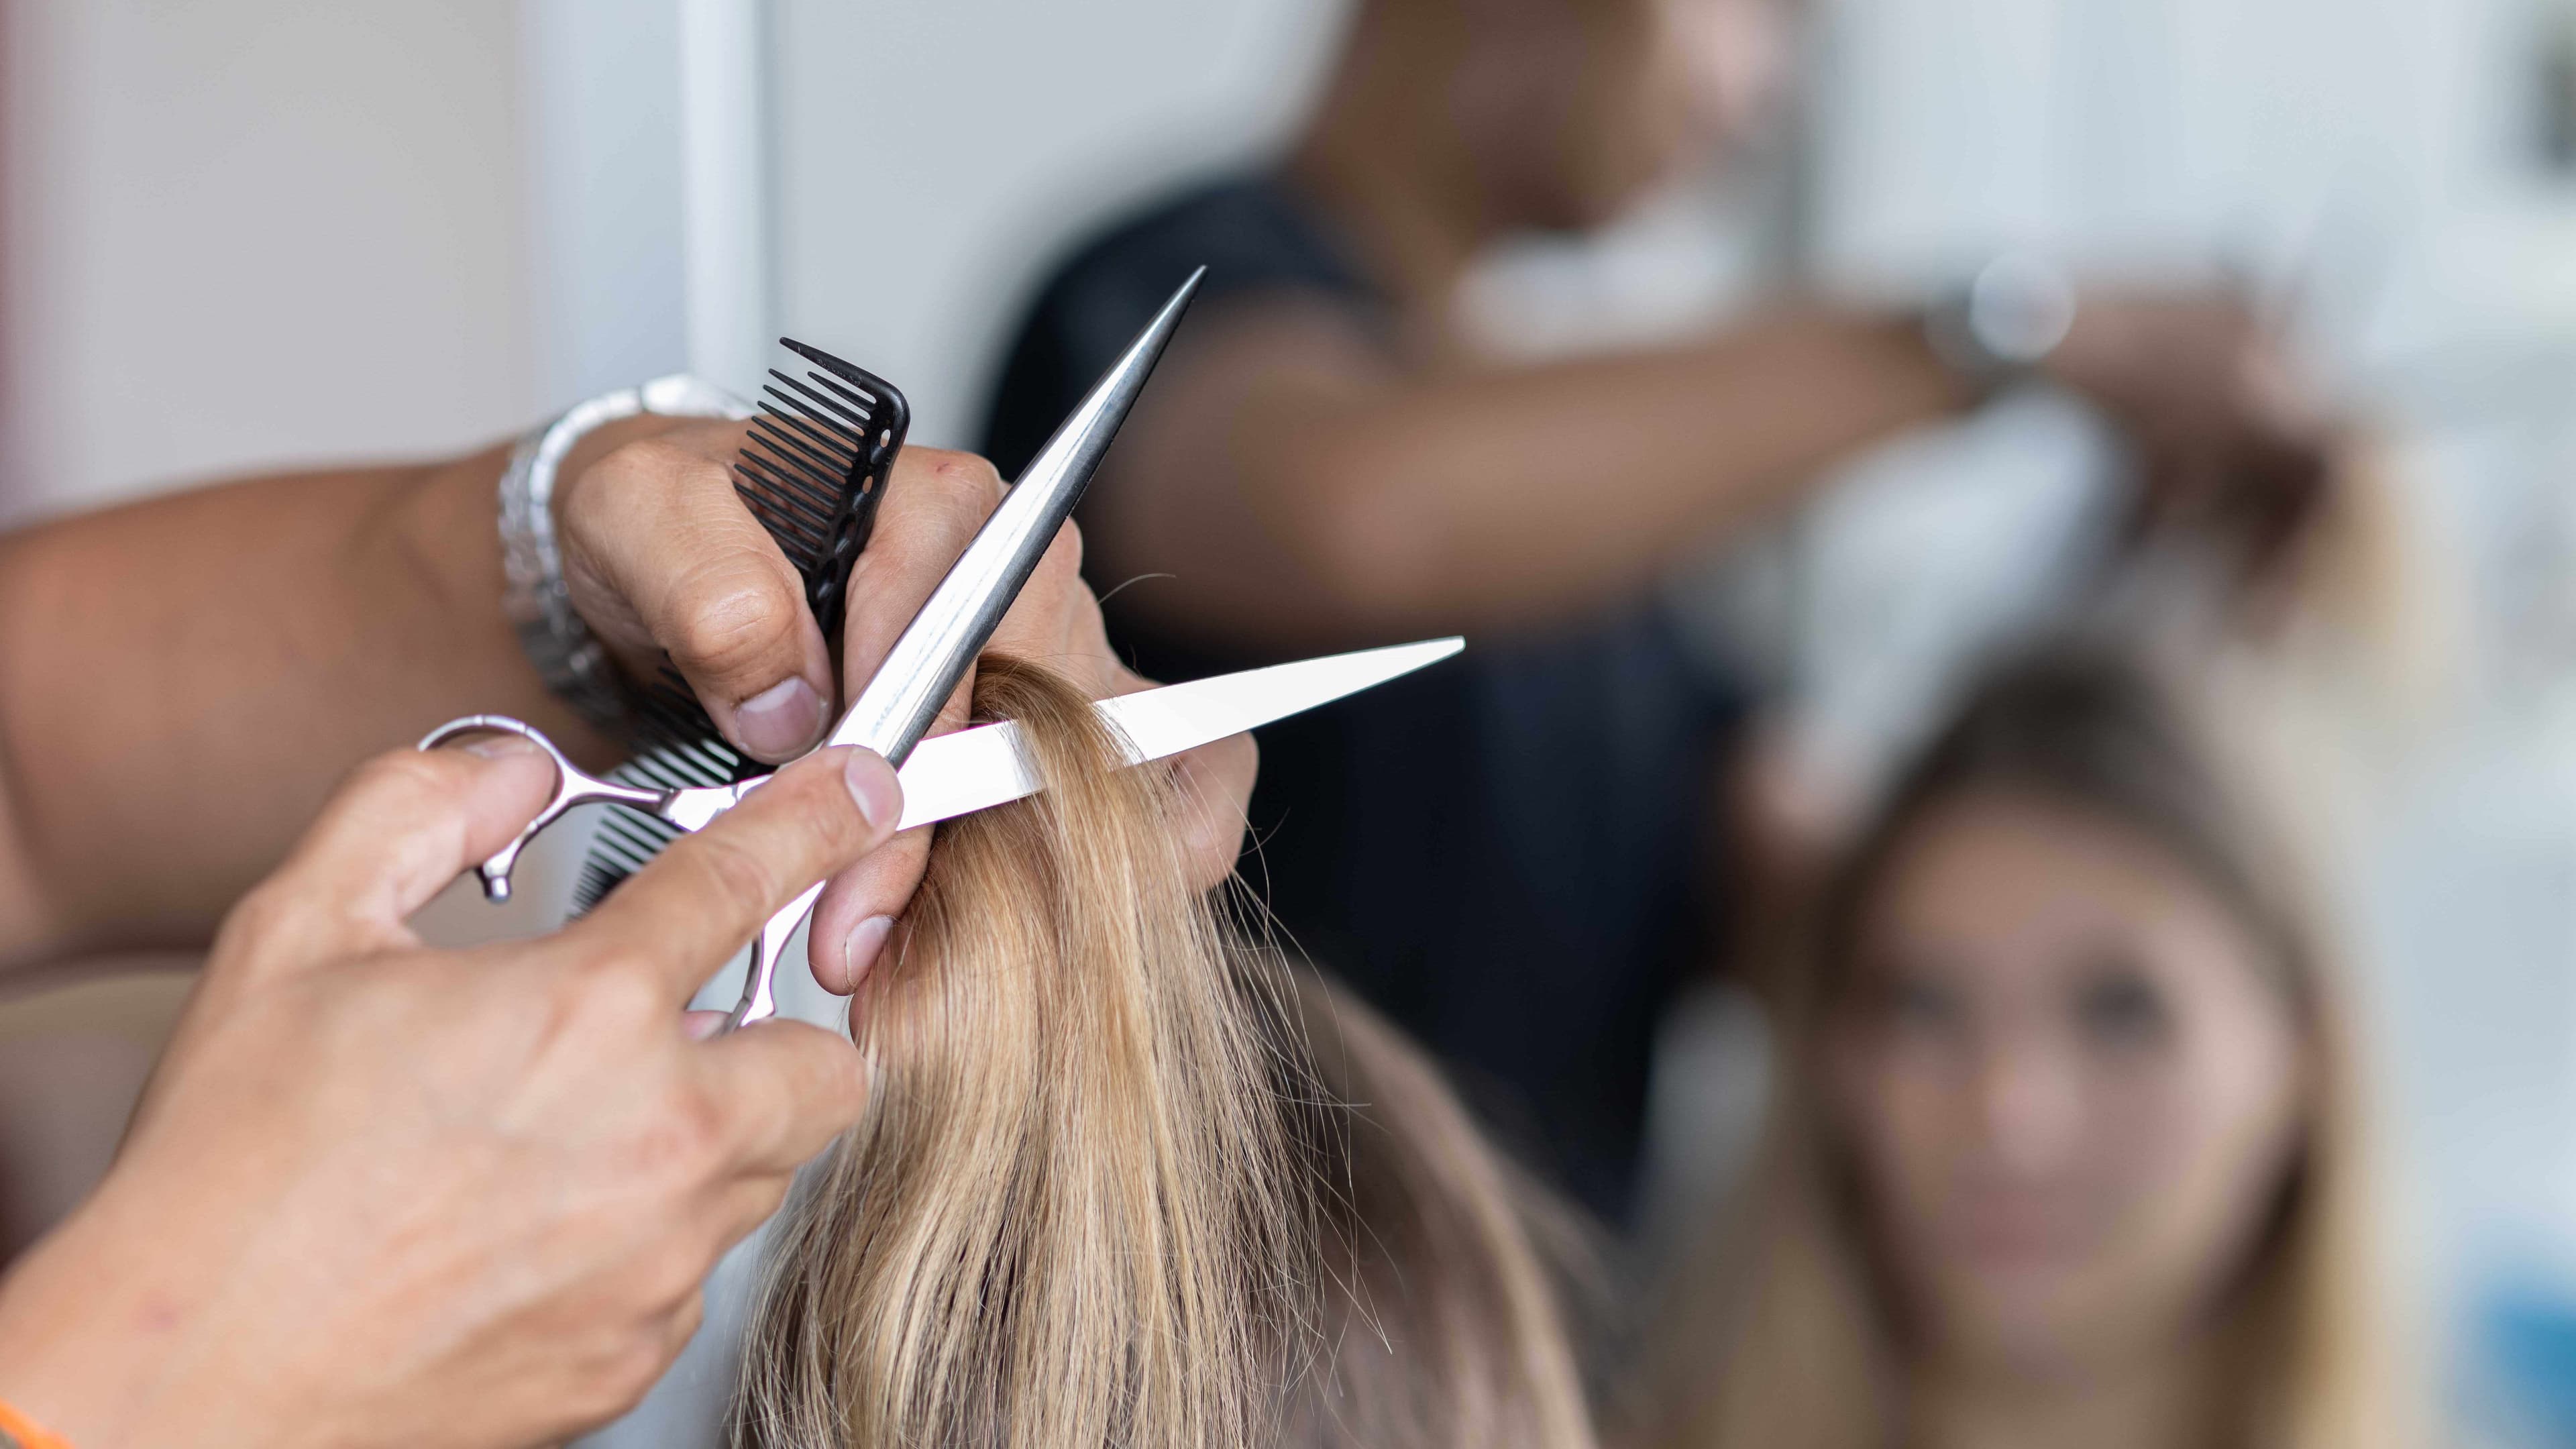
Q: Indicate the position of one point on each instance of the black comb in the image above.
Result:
(813, 472)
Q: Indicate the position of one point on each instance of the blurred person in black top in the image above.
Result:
(1505, 852)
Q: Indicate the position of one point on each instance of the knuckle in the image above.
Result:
(612, 991)
(626, 1372)
(403, 774)
(1062, 561)
(689, 1142)
(965, 477)
(686, 1314)
(659, 458)
(734, 622)
(266, 914)
(595, 497)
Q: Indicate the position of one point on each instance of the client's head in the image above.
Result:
(1450, 1279)
(2066, 1094)
(1105, 1196)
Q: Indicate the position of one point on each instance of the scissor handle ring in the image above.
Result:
(573, 786)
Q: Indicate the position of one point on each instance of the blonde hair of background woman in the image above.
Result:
(1123, 1184)
(1780, 1335)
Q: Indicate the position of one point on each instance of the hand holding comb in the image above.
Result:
(813, 472)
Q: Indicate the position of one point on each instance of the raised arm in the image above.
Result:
(1285, 456)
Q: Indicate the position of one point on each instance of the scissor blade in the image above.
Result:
(921, 671)
(975, 769)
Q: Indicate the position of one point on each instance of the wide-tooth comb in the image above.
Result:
(813, 472)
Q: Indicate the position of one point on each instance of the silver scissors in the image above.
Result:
(973, 769)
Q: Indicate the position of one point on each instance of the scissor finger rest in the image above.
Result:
(573, 786)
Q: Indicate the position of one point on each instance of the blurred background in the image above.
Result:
(282, 231)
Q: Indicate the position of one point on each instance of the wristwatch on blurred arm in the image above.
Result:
(2002, 326)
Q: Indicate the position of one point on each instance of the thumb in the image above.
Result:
(403, 826)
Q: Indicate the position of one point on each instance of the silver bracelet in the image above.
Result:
(567, 655)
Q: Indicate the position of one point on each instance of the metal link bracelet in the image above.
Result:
(571, 660)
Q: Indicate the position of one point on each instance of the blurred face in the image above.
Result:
(2072, 1092)
(1593, 102)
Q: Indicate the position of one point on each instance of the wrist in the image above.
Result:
(572, 661)
(63, 1361)
(2005, 326)
(108, 1337)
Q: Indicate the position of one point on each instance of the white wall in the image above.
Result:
(935, 152)
(256, 232)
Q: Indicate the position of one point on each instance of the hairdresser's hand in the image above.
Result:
(383, 1195)
(2232, 439)
(660, 555)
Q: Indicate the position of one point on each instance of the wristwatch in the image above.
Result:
(571, 660)
(1998, 329)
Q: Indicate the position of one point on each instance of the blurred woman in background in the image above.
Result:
(1505, 853)
(2065, 1146)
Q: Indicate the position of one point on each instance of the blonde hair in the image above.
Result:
(1105, 1197)
(1452, 1278)
(1781, 1335)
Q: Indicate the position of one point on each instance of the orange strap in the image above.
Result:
(17, 1431)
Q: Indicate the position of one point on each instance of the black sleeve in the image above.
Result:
(1252, 236)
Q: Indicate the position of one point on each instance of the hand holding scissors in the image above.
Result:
(982, 767)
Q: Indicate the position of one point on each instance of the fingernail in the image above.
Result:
(780, 720)
(860, 951)
(499, 747)
(873, 784)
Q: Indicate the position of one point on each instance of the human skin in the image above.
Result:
(1394, 484)
(183, 681)
(2072, 1088)
(385, 1195)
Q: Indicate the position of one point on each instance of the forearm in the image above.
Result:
(101, 1326)
(1402, 505)
(182, 682)
(1526, 494)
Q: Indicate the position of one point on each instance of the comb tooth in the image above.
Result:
(683, 763)
(846, 435)
(831, 459)
(800, 540)
(821, 441)
(626, 843)
(670, 709)
(664, 769)
(639, 836)
(861, 417)
(792, 519)
(788, 479)
(828, 444)
(632, 850)
(813, 522)
(783, 435)
(856, 398)
(824, 360)
(823, 481)
(828, 469)
(596, 883)
(710, 758)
